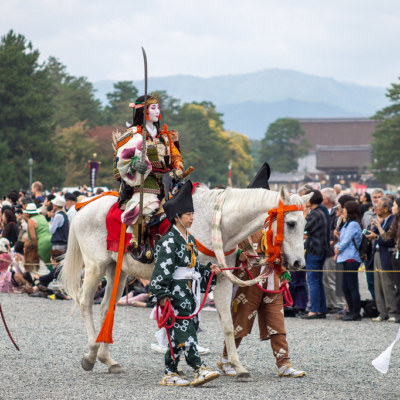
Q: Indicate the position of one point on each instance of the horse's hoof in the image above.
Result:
(87, 365)
(244, 377)
(115, 369)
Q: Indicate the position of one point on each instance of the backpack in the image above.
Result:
(369, 308)
(6, 285)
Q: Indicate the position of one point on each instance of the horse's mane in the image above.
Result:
(236, 198)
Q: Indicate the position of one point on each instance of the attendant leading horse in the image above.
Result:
(244, 212)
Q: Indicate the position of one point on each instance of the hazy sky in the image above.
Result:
(349, 40)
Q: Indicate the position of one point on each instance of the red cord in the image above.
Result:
(167, 312)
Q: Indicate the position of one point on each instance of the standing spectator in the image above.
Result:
(337, 188)
(347, 254)
(70, 202)
(369, 215)
(317, 248)
(333, 301)
(387, 285)
(13, 197)
(37, 189)
(38, 232)
(59, 225)
(365, 198)
(10, 228)
(298, 285)
(25, 201)
(46, 204)
(22, 224)
(366, 224)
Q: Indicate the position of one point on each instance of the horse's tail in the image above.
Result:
(72, 265)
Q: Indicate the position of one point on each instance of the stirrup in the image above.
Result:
(288, 371)
(173, 379)
(226, 368)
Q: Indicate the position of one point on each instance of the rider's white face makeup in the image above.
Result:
(154, 112)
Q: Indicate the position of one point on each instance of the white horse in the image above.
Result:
(243, 214)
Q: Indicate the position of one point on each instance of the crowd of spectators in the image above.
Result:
(342, 234)
(34, 238)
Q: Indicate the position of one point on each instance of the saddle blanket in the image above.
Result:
(113, 224)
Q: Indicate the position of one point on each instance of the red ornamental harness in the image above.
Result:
(274, 249)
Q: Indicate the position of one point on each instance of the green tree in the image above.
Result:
(209, 149)
(118, 111)
(26, 116)
(77, 149)
(386, 166)
(73, 98)
(283, 145)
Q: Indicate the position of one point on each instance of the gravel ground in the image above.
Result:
(336, 355)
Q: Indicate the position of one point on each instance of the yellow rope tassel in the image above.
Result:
(190, 247)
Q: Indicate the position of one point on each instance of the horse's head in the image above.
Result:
(293, 231)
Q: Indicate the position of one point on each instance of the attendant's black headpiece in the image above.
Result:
(181, 203)
(260, 181)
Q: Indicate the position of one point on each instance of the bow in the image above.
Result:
(5, 325)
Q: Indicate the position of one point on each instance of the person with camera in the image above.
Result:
(346, 253)
(386, 235)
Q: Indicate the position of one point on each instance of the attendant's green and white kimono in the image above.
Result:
(172, 277)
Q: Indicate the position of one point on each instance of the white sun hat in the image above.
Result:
(31, 209)
(58, 201)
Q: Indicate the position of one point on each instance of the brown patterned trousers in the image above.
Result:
(250, 302)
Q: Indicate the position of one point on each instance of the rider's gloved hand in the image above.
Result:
(140, 167)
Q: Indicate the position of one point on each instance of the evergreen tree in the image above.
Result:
(209, 149)
(77, 149)
(73, 98)
(386, 140)
(26, 116)
(283, 145)
(118, 111)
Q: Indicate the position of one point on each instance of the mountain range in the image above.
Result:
(250, 102)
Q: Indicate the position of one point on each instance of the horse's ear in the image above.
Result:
(306, 198)
(284, 194)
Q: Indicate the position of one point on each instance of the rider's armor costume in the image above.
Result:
(162, 156)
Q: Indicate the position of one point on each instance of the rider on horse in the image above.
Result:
(162, 156)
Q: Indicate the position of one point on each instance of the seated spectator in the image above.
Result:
(10, 228)
(138, 297)
(59, 225)
(5, 257)
(99, 191)
(38, 232)
(347, 254)
(33, 265)
(42, 289)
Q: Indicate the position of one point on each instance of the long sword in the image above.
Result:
(144, 134)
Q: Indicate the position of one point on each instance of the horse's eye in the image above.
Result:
(291, 224)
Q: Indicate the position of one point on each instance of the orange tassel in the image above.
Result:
(105, 334)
